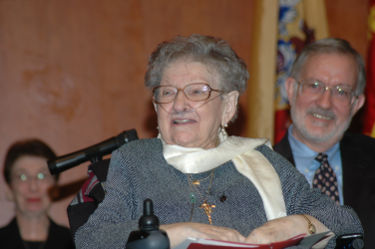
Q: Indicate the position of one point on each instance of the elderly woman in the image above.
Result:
(204, 183)
(29, 184)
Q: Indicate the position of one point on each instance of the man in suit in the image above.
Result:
(325, 90)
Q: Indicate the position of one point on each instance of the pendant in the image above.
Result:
(196, 182)
(207, 208)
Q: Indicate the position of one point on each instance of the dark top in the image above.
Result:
(59, 237)
(358, 167)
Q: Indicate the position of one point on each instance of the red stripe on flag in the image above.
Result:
(369, 112)
(282, 122)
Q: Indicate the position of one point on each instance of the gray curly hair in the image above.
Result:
(208, 50)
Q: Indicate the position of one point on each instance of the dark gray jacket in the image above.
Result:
(138, 171)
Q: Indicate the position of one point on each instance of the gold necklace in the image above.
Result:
(207, 208)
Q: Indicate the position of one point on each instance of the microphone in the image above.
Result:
(93, 153)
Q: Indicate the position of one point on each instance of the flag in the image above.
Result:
(299, 23)
(369, 110)
(260, 91)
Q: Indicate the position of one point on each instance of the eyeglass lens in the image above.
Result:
(193, 92)
(341, 93)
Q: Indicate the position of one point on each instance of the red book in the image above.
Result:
(197, 243)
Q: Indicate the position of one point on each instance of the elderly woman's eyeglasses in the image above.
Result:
(315, 88)
(194, 92)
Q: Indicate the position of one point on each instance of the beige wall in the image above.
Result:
(71, 72)
(348, 19)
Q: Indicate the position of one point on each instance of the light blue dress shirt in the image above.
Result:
(304, 159)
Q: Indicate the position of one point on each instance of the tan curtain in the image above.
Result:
(316, 17)
(260, 92)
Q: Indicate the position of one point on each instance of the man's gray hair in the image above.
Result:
(334, 46)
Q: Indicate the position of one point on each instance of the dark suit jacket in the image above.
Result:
(58, 237)
(358, 163)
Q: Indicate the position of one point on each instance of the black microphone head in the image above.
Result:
(93, 153)
(65, 162)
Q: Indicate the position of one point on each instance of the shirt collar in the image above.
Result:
(300, 148)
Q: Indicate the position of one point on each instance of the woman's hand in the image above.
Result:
(284, 228)
(178, 232)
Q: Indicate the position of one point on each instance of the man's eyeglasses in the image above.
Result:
(315, 88)
(195, 92)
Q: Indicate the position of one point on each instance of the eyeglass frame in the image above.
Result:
(324, 88)
(177, 90)
(18, 177)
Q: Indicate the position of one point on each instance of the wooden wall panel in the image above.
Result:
(347, 19)
(71, 72)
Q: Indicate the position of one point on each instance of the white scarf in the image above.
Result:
(248, 161)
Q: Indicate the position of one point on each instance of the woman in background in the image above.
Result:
(29, 184)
